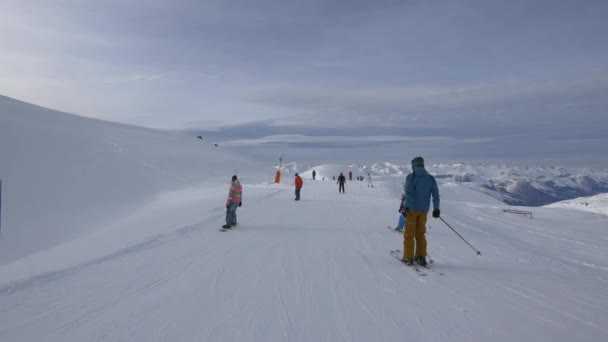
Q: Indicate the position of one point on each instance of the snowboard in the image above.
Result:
(395, 230)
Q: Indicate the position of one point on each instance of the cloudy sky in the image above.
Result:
(326, 80)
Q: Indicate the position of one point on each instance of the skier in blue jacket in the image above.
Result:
(419, 187)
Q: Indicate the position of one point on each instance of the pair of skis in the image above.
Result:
(420, 270)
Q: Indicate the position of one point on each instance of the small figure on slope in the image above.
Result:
(299, 182)
(314, 174)
(369, 181)
(341, 181)
(350, 175)
(234, 201)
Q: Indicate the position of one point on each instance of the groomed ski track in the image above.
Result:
(319, 270)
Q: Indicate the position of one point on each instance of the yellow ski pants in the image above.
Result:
(415, 229)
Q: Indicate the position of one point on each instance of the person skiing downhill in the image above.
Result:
(299, 182)
(369, 181)
(419, 187)
(234, 201)
(341, 181)
(314, 174)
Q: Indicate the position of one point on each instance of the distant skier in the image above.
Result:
(369, 181)
(234, 201)
(419, 187)
(314, 174)
(299, 182)
(350, 175)
(341, 181)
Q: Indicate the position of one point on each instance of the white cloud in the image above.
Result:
(363, 99)
(361, 72)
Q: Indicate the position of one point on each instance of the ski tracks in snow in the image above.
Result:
(317, 270)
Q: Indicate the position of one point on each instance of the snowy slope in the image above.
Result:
(319, 270)
(314, 270)
(65, 176)
(595, 204)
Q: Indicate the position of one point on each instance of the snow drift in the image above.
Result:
(66, 175)
(596, 204)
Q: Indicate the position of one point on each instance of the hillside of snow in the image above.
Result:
(140, 256)
(515, 185)
(594, 204)
(64, 176)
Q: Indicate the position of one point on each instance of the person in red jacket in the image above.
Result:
(299, 182)
(350, 175)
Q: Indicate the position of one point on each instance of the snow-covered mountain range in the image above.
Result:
(514, 185)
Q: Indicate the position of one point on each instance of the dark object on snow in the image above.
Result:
(520, 212)
(199, 137)
(215, 145)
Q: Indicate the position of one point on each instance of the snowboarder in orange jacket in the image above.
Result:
(299, 182)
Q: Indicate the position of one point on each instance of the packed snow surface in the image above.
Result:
(595, 204)
(314, 270)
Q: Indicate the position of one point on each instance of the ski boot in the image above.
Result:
(421, 261)
(227, 226)
(408, 261)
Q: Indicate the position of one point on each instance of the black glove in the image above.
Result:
(240, 203)
(227, 206)
(406, 211)
(436, 213)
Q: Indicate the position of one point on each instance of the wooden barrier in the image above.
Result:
(520, 212)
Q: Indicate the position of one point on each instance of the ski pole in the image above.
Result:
(430, 259)
(454, 230)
